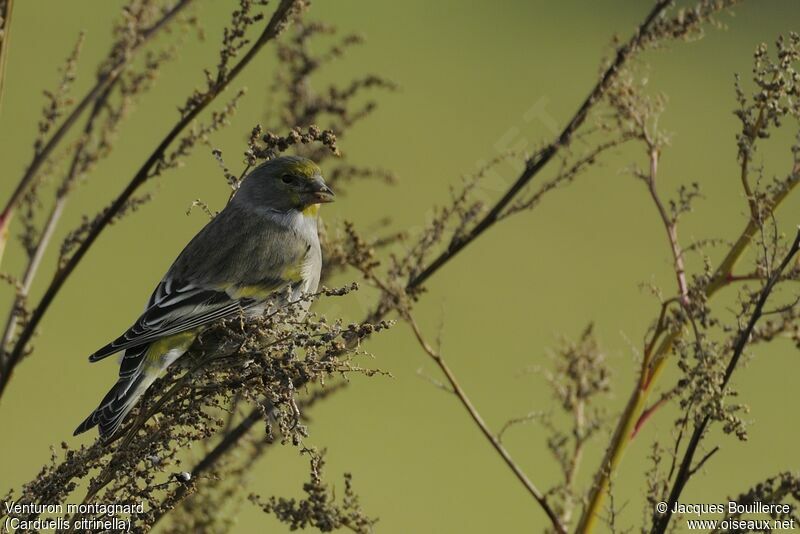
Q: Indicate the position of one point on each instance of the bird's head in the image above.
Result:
(283, 184)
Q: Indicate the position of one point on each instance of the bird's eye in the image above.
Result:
(287, 178)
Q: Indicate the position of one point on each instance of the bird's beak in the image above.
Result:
(319, 193)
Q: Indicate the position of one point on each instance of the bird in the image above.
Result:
(262, 247)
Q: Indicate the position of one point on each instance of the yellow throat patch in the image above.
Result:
(311, 211)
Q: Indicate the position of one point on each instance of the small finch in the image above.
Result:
(263, 246)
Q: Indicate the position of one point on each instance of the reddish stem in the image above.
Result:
(646, 415)
(5, 222)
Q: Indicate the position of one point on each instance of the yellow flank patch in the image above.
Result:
(162, 346)
(245, 292)
(292, 274)
(311, 211)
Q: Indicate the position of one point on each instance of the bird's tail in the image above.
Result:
(114, 407)
(118, 402)
(139, 368)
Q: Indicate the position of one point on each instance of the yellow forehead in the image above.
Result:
(302, 168)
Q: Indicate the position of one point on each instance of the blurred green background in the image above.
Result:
(476, 79)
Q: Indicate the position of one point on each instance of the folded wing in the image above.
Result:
(175, 307)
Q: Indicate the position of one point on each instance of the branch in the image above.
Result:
(5, 23)
(703, 460)
(102, 83)
(276, 24)
(478, 420)
(539, 160)
(533, 166)
(6, 9)
(686, 470)
(35, 260)
(722, 276)
(670, 225)
(649, 375)
(230, 440)
(746, 143)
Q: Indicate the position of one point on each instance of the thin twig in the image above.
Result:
(670, 225)
(660, 328)
(744, 153)
(478, 420)
(646, 414)
(703, 460)
(5, 18)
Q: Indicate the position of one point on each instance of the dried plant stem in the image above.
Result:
(533, 167)
(108, 473)
(459, 392)
(752, 134)
(230, 440)
(655, 364)
(6, 8)
(660, 522)
(53, 219)
(647, 413)
(30, 273)
(724, 272)
(5, 19)
(98, 89)
(5, 222)
(670, 225)
(540, 160)
(275, 25)
(748, 192)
